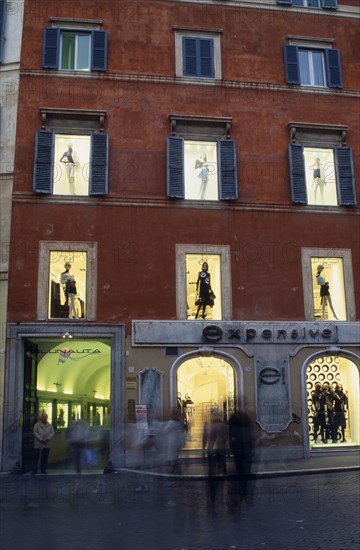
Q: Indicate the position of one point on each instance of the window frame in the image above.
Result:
(182, 250)
(61, 46)
(322, 4)
(331, 62)
(66, 247)
(201, 34)
(345, 254)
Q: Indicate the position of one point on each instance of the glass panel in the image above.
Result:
(46, 407)
(83, 52)
(312, 3)
(71, 165)
(328, 289)
(318, 68)
(199, 280)
(333, 402)
(67, 61)
(67, 285)
(201, 172)
(304, 67)
(320, 176)
(62, 416)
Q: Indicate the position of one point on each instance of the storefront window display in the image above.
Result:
(46, 407)
(71, 165)
(320, 176)
(201, 171)
(333, 402)
(67, 285)
(203, 286)
(62, 416)
(328, 289)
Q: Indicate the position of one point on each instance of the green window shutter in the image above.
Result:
(345, 176)
(51, 48)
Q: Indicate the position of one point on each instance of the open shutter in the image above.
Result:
(297, 173)
(333, 68)
(2, 26)
(175, 167)
(345, 176)
(99, 156)
(189, 56)
(329, 4)
(51, 48)
(227, 169)
(206, 47)
(98, 50)
(291, 64)
(44, 162)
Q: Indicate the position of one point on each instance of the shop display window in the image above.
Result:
(332, 385)
(67, 285)
(320, 175)
(201, 172)
(62, 416)
(47, 408)
(328, 289)
(75, 414)
(71, 165)
(203, 286)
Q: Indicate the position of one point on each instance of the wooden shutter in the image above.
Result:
(51, 48)
(175, 167)
(189, 56)
(297, 173)
(329, 4)
(44, 162)
(291, 64)
(99, 157)
(98, 50)
(227, 169)
(333, 68)
(206, 55)
(345, 176)
(287, 2)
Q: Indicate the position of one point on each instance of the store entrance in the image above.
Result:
(204, 384)
(332, 384)
(69, 380)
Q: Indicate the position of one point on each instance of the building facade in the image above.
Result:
(185, 224)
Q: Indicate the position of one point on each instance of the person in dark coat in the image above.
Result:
(241, 442)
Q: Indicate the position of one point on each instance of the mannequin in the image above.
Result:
(324, 293)
(329, 405)
(69, 286)
(340, 408)
(203, 289)
(318, 181)
(69, 159)
(201, 165)
(319, 412)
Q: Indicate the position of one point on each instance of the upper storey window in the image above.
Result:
(312, 63)
(197, 54)
(326, 4)
(69, 48)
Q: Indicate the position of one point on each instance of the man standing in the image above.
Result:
(43, 433)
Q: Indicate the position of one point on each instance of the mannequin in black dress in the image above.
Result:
(203, 289)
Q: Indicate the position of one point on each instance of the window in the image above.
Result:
(326, 4)
(321, 167)
(190, 260)
(71, 154)
(67, 281)
(313, 66)
(201, 159)
(73, 50)
(328, 285)
(197, 54)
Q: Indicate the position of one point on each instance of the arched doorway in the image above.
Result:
(204, 383)
(333, 402)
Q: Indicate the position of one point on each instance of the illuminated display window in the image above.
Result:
(201, 171)
(320, 175)
(72, 157)
(67, 280)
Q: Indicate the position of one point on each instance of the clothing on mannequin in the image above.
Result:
(318, 406)
(324, 293)
(318, 180)
(204, 291)
(202, 172)
(340, 408)
(67, 279)
(329, 409)
(70, 160)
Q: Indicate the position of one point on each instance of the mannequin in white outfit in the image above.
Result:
(69, 286)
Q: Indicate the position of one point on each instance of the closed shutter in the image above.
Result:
(329, 4)
(333, 68)
(175, 167)
(227, 169)
(44, 162)
(291, 64)
(345, 176)
(297, 173)
(99, 156)
(2, 26)
(98, 50)
(189, 56)
(206, 52)
(287, 2)
(51, 48)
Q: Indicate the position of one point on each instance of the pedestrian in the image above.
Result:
(241, 441)
(43, 434)
(215, 438)
(175, 434)
(79, 436)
